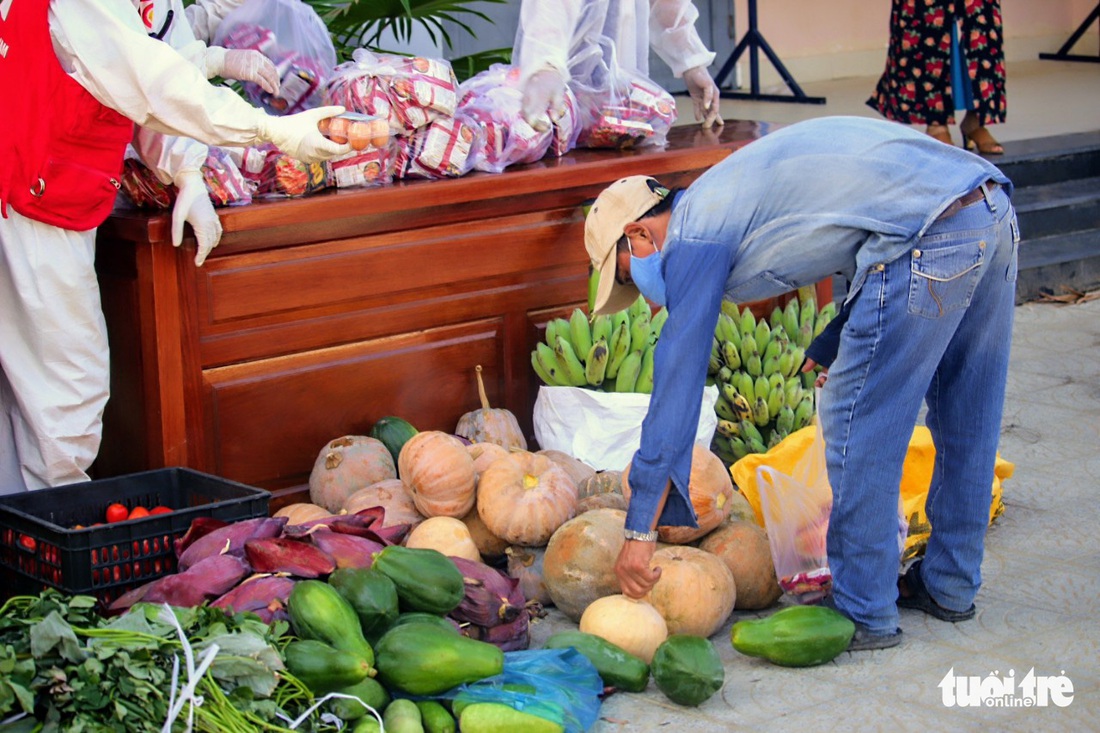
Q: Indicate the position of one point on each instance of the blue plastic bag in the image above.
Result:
(557, 684)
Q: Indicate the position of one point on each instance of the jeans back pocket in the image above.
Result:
(943, 280)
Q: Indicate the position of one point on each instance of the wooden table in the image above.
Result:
(317, 316)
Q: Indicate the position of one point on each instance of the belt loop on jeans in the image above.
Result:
(988, 187)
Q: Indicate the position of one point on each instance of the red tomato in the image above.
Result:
(138, 512)
(117, 513)
(160, 510)
(28, 543)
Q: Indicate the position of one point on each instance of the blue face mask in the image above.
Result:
(647, 276)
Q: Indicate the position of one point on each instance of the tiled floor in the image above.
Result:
(1036, 607)
(1042, 566)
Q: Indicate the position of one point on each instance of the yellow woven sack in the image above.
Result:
(915, 478)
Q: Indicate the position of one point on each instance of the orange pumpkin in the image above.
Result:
(392, 496)
(695, 593)
(579, 564)
(490, 425)
(484, 454)
(711, 490)
(438, 473)
(577, 469)
(601, 490)
(346, 465)
(524, 497)
(743, 547)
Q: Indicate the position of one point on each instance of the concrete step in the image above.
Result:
(1052, 264)
(1050, 159)
(1047, 209)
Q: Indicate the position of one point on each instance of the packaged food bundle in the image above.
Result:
(358, 130)
(566, 127)
(257, 165)
(295, 178)
(443, 149)
(224, 180)
(294, 37)
(408, 91)
(631, 111)
(493, 99)
(142, 186)
(371, 166)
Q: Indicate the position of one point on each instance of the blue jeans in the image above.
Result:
(935, 324)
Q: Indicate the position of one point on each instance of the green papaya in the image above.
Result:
(426, 580)
(322, 668)
(370, 691)
(687, 669)
(424, 659)
(393, 432)
(796, 636)
(403, 716)
(617, 667)
(419, 617)
(317, 611)
(371, 594)
(495, 717)
(464, 699)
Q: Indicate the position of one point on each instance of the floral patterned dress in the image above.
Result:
(916, 86)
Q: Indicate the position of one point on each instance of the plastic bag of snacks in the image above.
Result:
(443, 149)
(619, 108)
(224, 180)
(293, 36)
(493, 99)
(371, 166)
(410, 92)
(142, 186)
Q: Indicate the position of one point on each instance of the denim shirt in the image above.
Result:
(829, 195)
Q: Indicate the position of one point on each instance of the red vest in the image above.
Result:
(60, 150)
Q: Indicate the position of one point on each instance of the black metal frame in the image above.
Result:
(754, 42)
(1063, 53)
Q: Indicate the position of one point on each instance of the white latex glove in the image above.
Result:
(704, 96)
(253, 66)
(297, 135)
(543, 99)
(193, 206)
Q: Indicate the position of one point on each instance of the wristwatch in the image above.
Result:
(640, 536)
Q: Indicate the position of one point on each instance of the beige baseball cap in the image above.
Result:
(622, 202)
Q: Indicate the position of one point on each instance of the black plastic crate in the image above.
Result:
(40, 549)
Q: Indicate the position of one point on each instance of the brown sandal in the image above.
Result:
(939, 132)
(979, 140)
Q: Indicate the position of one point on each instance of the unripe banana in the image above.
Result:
(618, 318)
(785, 360)
(775, 400)
(730, 355)
(571, 367)
(738, 447)
(770, 366)
(808, 379)
(714, 364)
(595, 363)
(580, 332)
(784, 421)
(729, 391)
(776, 317)
(772, 350)
(547, 378)
(721, 448)
(730, 309)
(749, 433)
(619, 348)
(826, 314)
(754, 366)
(644, 384)
(638, 308)
(639, 332)
(798, 355)
(745, 386)
(757, 446)
(763, 336)
(792, 392)
(726, 330)
(548, 361)
(627, 376)
(807, 313)
(790, 319)
(656, 324)
(805, 335)
(760, 414)
(804, 413)
(724, 375)
(748, 348)
(747, 324)
(601, 328)
(723, 409)
(557, 328)
(761, 388)
(773, 440)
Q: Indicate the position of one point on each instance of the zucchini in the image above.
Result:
(426, 580)
(617, 667)
(796, 636)
(687, 669)
(393, 432)
(318, 612)
(423, 659)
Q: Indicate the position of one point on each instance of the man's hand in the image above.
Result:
(704, 96)
(543, 99)
(808, 365)
(193, 206)
(636, 577)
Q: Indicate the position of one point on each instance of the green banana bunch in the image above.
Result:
(619, 347)
(644, 384)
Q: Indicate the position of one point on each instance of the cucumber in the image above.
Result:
(403, 716)
(495, 717)
(617, 667)
(435, 717)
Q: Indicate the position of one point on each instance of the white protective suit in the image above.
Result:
(560, 42)
(54, 370)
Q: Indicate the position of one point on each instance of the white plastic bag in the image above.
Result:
(603, 429)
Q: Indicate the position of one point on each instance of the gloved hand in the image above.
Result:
(704, 95)
(297, 135)
(253, 66)
(543, 99)
(193, 206)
